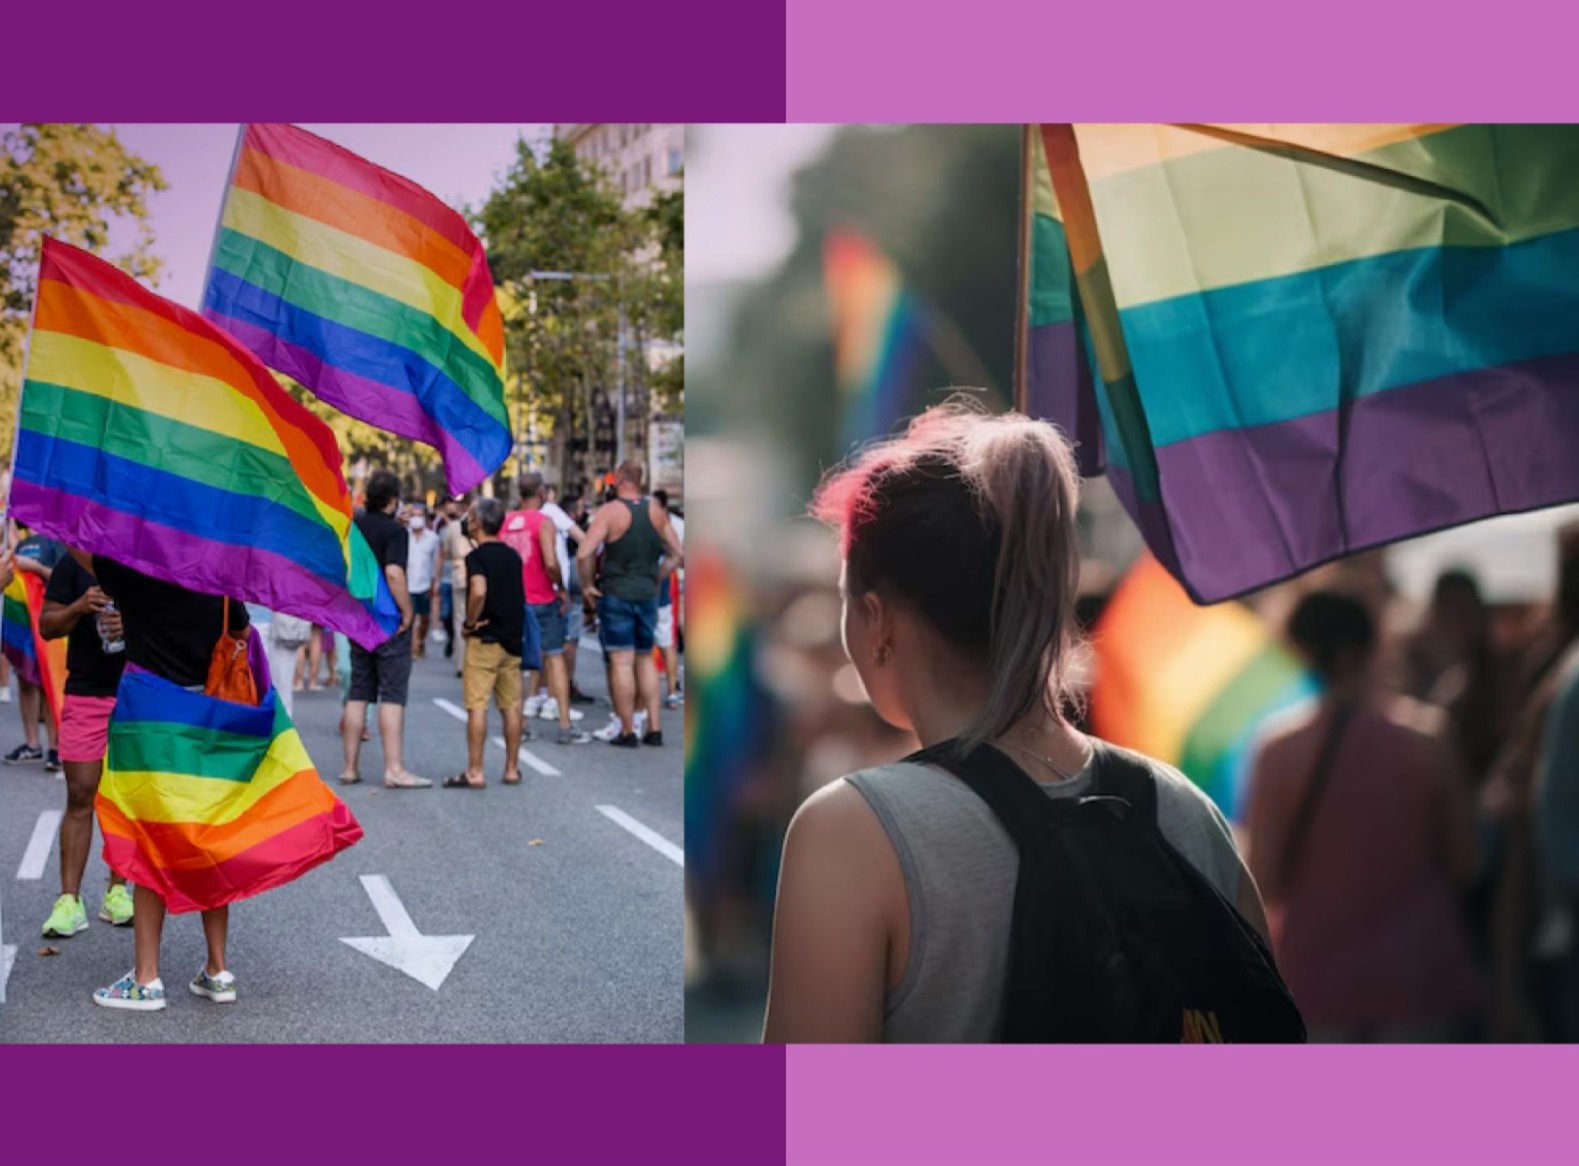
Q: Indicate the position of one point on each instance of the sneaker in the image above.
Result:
(117, 907)
(52, 762)
(626, 741)
(572, 737)
(653, 738)
(23, 753)
(551, 711)
(221, 989)
(609, 731)
(66, 919)
(673, 702)
(534, 707)
(129, 994)
(641, 722)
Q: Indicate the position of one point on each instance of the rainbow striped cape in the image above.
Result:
(1286, 344)
(37, 661)
(878, 335)
(1192, 686)
(151, 437)
(206, 801)
(368, 290)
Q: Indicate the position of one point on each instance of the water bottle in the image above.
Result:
(118, 644)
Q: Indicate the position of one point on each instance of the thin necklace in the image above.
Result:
(1045, 760)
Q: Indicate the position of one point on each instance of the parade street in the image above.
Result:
(544, 912)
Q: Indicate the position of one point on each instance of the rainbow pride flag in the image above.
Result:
(727, 710)
(1189, 685)
(1286, 344)
(37, 661)
(878, 335)
(368, 290)
(206, 801)
(151, 437)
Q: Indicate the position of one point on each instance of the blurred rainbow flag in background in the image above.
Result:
(1189, 685)
(727, 712)
(878, 334)
(1307, 340)
(368, 290)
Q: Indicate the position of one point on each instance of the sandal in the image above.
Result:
(414, 783)
(459, 781)
(350, 779)
(508, 780)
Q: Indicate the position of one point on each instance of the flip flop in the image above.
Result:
(459, 782)
(419, 783)
(350, 779)
(516, 780)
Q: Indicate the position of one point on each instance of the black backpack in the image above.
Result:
(1116, 936)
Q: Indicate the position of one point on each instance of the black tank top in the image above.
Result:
(630, 563)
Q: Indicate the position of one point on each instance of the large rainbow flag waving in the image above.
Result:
(148, 435)
(368, 290)
(206, 801)
(1308, 340)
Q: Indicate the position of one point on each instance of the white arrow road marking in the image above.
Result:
(428, 959)
(526, 755)
(651, 837)
(36, 856)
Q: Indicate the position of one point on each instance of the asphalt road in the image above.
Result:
(576, 915)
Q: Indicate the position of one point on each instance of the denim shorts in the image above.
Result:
(627, 625)
(575, 619)
(551, 626)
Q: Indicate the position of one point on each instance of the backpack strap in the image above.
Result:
(1012, 795)
(1315, 785)
(1119, 774)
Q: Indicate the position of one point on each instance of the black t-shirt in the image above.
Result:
(89, 670)
(47, 551)
(169, 630)
(505, 606)
(390, 543)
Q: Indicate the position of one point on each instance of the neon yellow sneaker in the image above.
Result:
(117, 907)
(67, 918)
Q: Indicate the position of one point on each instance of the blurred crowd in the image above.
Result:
(1493, 687)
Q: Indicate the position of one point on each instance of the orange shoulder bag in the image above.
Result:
(230, 671)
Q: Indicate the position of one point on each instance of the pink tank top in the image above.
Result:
(520, 534)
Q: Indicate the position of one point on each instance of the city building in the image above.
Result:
(638, 159)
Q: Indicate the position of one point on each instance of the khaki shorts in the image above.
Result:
(490, 670)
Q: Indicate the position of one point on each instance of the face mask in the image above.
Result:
(418, 522)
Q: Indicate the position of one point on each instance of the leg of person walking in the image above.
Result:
(507, 694)
(394, 678)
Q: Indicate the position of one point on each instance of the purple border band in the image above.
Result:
(1251, 506)
(403, 1105)
(1185, 1106)
(688, 61)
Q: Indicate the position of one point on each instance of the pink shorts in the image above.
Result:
(85, 727)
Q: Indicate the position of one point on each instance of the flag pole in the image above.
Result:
(1022, 300)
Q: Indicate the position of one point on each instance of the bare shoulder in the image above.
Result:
(835, 816)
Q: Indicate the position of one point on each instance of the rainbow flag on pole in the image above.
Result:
(368, 290)
(1290, 343)
(206, 801)
(149, 436)
(878, 335)
(1189, 685)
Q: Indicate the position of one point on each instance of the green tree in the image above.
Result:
(665, 300)
(72, 182)
(552, 212)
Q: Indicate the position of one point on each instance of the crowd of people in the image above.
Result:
(507, 595)
(1409, 842)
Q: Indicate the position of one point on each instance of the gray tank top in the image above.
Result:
(960, 868)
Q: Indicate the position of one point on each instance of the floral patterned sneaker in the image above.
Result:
(221, 989)
(129, 994)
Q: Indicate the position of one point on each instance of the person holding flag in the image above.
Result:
(77, 608)
(36, 556)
